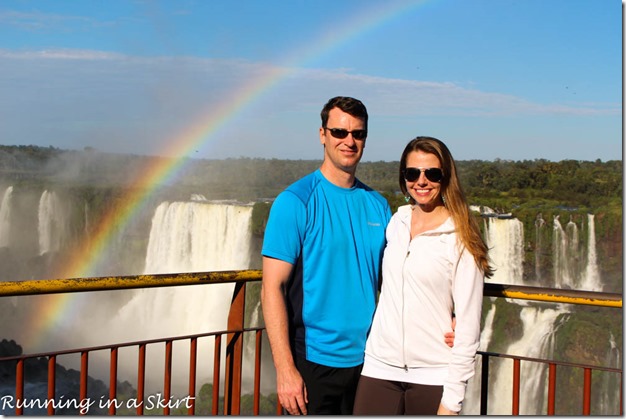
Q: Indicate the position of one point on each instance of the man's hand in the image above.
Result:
(449, 337)
(292, 392)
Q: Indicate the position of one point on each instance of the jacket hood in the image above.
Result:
(404, 213)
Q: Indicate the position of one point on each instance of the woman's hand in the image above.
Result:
(445, 411)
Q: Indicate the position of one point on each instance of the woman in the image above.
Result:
(433, 268)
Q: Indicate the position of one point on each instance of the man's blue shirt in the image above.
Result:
(335, 239)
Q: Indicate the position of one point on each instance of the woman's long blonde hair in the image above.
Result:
(453, 198)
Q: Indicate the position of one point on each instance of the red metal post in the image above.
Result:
(113, 382)
(234, 351)
(587, 392)
(167, 381)
(193, 353)
(257, 373)
(52, 361)
(19, 387)
(516, 379)
(141, 378)
(551, 388)
(84, 374)
(217, 354)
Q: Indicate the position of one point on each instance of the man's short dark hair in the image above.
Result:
(348, 105)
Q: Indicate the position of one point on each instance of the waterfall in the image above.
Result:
(196, 236)
(87, 218)
(189, 237)
(471, 404)
(485, 335)
(505, 238)
(193, 237)
(610, 383)
(539, 225)
(5, 217)
(562, 277)
(571, 270)
(591, 279)
(53, 225)
(573, 254)
(536, 342)
(184, 237)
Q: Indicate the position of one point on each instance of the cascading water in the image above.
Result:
(565, 244)
(591, 280)
(505, 238)
(539, 321)
(53, 224)
(189, 237)
(43, 223)
(611, 383)
(537, 342)
(575, 266)
(196, 236)
(539, 225)
(192, 237)
(184, 237)
(5, 217)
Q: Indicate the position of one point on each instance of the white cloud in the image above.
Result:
(37, 21)
(76, 98)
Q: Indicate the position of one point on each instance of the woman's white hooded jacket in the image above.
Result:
(425, 281)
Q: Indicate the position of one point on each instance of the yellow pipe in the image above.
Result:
(53, 286)
(562, 299)
(554, 295)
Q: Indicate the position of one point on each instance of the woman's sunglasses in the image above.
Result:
(357, 134)
(434, 174)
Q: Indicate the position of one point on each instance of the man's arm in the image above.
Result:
(289, 384)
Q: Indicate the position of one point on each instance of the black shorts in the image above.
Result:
(383, 397)
(330, 390)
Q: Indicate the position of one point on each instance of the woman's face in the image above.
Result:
(426, 193)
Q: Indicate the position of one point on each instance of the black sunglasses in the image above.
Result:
(357, 134)
(434, 174)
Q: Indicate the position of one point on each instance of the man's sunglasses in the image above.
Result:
(434, 174)
(357, 134)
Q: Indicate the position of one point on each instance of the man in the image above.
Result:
(322, 250)
(321, 257)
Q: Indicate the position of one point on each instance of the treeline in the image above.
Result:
(502, 184)
(568, 182)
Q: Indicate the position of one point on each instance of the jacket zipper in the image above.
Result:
(406, 368)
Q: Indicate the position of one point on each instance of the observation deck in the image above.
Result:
(236, 359)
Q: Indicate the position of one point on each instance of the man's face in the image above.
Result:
(343, 153)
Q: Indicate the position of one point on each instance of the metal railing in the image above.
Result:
(231, 341)
(552, 368)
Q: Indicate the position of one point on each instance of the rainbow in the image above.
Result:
(57, 308)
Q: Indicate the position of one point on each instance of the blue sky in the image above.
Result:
(494, 79)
